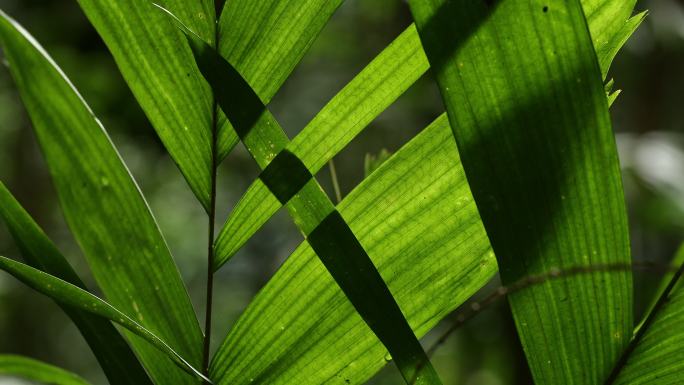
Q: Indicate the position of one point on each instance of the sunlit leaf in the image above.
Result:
(528, 110)
(104, 208)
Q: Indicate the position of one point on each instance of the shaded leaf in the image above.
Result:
(73, 296)
(104, 208)
(30, 369)
(528, 110)
(112, 352)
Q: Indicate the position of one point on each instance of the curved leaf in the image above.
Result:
(73, 296)
(529, 113)
(104, 208)
(112, 352)
(30, 369)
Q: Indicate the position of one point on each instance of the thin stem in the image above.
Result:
(335, 182)
(211, 232)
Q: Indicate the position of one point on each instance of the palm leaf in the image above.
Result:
(313, 212)
(528, 110)
(112, 352)
(386, 78)
(104, 208)
(30, 369)
(75, 297)
(417, 220)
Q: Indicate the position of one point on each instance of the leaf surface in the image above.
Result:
(30, 369)
(527, 107)
(104, 208)
(73, 296)
(313, 212)
(374, 89)
(418, 222)
(116, 358)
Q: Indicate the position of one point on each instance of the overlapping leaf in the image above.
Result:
(30, 369)
(395, 69)
(417, 220)
(112, 352)
(314, 213)
(77, 298)
(104, 208)
(528, 110)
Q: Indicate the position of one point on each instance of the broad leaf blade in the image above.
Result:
(104, 207)
(313, 212)
(658, 358)
(395, 69)
(75, 297)
(112, 352)
(417, 220)
(529, 113)
(30, 369)
(159, 69)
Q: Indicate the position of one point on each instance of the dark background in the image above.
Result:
(648, 118)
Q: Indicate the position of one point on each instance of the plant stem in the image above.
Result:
(335, 182)
(211, 232)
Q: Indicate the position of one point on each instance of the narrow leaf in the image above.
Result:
(326, 230)
(528, 110)
(73, 296)
(417, 220)
(374, 89)
(658, 354)
(112, 352)
(104, 208)
(30, 369)
(159, 69)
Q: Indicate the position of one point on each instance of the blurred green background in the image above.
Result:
(648, 118)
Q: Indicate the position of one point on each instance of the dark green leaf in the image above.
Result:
(112, 352)
(75, 297)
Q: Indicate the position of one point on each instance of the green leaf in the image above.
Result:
(104, 208)
(386, 78)
(160, 71)
(528, 110)
(30, 369)
(73, 296)
(112, 352)
(264, 40)
(325, 229)
(658, 354)
(427, 241)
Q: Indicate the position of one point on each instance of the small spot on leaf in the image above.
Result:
(545, 9)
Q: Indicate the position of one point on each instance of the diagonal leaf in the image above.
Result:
(416, 218)
(395, 69)
(264, 40)
(313, 212)
(151, 56)
(112, 352)
(104, 208)
(77, 298)
(30, 369)
(529, 113)
(656, 355)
